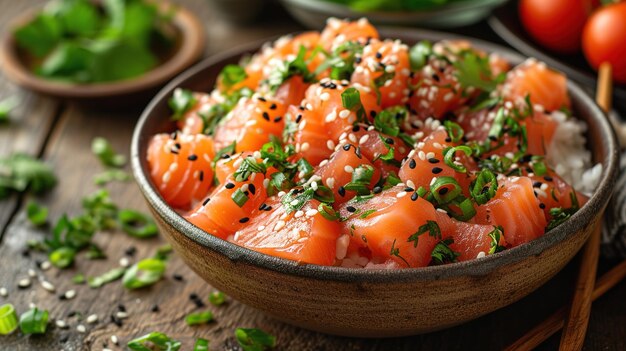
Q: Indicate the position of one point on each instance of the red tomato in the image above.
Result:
(555, 24)
(604, 39)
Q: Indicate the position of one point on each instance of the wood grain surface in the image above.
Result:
(62, 134)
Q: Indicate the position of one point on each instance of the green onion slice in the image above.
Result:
(199, 318)
(34, 321)
(450, 153)
(154, 341)
(137, 224)
(252, 339)
(201, 345)
(453, 189)
(8, 319)
(484, 187)
(144, 273)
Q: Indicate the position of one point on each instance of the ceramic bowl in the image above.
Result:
(188, 48)
(372, 303)
(313, 13)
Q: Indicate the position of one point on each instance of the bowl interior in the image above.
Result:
(155, 119)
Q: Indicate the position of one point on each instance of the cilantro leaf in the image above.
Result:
(442, 253)
(474, 71)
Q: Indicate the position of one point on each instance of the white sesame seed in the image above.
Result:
(32, 305)
(92, 319)
(401, 194)
(323, 163)
(106, 349)
(124, 262)
(60, 324)
(121, 314)
(244, 187)
(166, 177)
(480, 254)
(114, 339)
(325, 96)
(343, 114)
(352, 138)
(330, 144)
(261, 227)
(81, 328)
(430, 155)
(348, 168)
(31, 273)
(69, 294)
(24, 283)
(45, 265)
(364, 139)
(311, 213)
(298, 214)
(442, 210)
(305, 146)
(410, 184)
(314, 186)
(330, 182)
(422, 155)
(331, 116)
(279, 225)
(4, 292)
(266, 183)
(47, 285)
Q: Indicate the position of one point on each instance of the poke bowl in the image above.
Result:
(372, 301)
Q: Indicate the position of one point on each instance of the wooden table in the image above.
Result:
(61, 134)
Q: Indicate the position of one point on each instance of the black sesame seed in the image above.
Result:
(379, 55)
(548, 178)
(493, 138)
(436, 77)
(358, 59)
(229, 185)
(389, 141)
(351, 209)
(542, 206)
(131, 251)
(356, 128)
(272, 106)
(266, 116)
(372, 113)
(62, 297)
(192, 157)
(244, 220)
(155, 308)
(408, 189)
(261, 99)
(177, 145)
(347, 147)
(414, 196)
(225, 156)
(25, 253)
(268, 208)
(206, 201)
(174, 151)
(178, 277)
(71, 314)
(298, 118)
(262, 207)
(536, 184)
(121, 308)
(201, 176)
(341, 191)
(433, 160)
(64, 339)
(377, 189)
(436, 170)
(443, 191)
(278, 119)
(116, 321)
(252, 188)
(448, 139)
(412, 164)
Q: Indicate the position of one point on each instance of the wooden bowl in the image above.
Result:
(189, 46)
(372, 303)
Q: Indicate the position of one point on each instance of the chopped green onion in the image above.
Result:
(239, 197)
(137, 224)
(62, 257)
(154, 341)
(144, 273)
(6, 106)
(199, 318)
(367, 213)
(327, 212)
(163, 252)
(252, 339)
(37, 214)
(201, 345)
(451, 186)
(467, 210)
(351, 99)
(103, 149)
(94, 252)
(110, 276)
(498, 124)
(226, 150)
(78, 278)
(539, 168)
(305, 168)
(449, 155)
(248, 166)
(495, 235)
(455, 131)
(34, 321)
(419, 54)
(111, 175)
(217, 298)
(484, 187)
(232, 74)
(181, 101)
(8, 319)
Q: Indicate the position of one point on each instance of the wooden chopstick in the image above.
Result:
(556, 321)
(575, 328)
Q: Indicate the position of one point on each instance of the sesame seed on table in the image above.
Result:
(82, 318)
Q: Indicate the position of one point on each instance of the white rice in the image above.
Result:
(569, 157)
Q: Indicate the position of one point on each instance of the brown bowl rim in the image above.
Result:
(190, 50)
(475, 267)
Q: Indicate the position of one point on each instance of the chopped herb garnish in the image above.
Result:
(103, 149)
(182, 100)
(8, 319)
(239, 197)
(6, 106)
(201, 345)
(79, 279)
(231, 75)
(419, 54)
(217, 298)
(20, 173)
(62, 257)
(37, 214)
(253, 339)
(442, 253)
(351, 100)
(111, 175)
(154, 341)
(367, 213)
(449, 157)
(144, 273)
(445, 190)
(289, 68)
(473, 70)
(484, 187)
(454, 130)
(328, 212)
(394, 251)
(430, 227)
